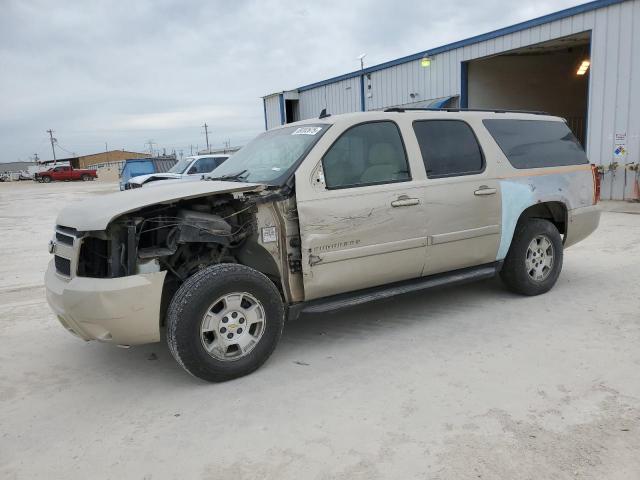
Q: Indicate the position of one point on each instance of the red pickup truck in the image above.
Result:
(65, 173)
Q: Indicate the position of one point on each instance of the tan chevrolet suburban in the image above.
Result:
(319, 215)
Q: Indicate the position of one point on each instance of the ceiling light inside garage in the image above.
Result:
(584, 66)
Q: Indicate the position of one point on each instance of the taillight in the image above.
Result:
(596, 183)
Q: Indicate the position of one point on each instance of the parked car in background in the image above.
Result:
(65, 173)
(15, 176)
(319, 215)
(188, 168)
(135, 167)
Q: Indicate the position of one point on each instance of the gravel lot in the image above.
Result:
(464, 382)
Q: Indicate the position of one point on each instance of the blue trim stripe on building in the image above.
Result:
(282, 111)
(552, 17)
(464, 85)
(362, 101)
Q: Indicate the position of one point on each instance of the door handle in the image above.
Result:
(404, 201)
(484, 190)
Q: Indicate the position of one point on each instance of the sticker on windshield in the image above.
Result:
(306, 131)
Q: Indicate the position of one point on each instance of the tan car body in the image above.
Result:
(333, 242)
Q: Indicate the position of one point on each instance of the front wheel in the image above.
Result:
(46, 179)
(534, 261)
(224, 322)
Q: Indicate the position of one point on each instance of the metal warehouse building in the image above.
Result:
(539, 64)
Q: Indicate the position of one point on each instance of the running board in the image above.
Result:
(344, 300)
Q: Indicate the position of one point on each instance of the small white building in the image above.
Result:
(582, 63)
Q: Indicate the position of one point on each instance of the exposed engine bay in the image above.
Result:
(188, 235)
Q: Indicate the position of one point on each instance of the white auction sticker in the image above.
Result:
(269, 235)
(306, 131)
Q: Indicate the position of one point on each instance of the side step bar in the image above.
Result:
(344, 300)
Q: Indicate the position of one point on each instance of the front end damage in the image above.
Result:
(115, 284)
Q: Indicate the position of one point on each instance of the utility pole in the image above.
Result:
(190, 149)
(35, 158)
(106, 151)
(206, 132)
(53, 141)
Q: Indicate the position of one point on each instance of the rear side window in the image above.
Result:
(536, 143)
(367, 154)
(205, 165)
(448, 147)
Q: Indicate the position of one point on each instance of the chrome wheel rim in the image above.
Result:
(540, 258)
(232, 326)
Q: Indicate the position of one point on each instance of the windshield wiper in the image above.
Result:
(230, 176)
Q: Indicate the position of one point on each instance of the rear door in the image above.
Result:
(462, 196)
(360, 213)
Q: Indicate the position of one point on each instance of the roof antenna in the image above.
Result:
(324, 114)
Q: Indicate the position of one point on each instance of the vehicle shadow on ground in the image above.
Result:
(311, 333)
(412, 310)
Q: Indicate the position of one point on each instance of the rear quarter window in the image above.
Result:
(536, 143)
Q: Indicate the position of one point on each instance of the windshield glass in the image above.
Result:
(181, 166)
(270, 157)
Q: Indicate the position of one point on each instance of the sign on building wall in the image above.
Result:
(620, 145)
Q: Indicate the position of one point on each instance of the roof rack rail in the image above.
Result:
(493, 110)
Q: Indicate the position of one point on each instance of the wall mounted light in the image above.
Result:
(425, 62)
(584, 66)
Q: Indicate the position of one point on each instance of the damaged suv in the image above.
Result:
(320, 215)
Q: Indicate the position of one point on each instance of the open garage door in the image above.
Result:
(545, 77)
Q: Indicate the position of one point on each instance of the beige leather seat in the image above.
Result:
(382, 164)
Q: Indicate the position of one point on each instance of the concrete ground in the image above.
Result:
(460, 383)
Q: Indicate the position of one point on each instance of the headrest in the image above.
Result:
(381, 154)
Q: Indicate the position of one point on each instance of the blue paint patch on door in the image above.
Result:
(516, 198)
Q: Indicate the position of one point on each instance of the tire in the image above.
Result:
(46, 179)
(526, 270)
(198, 323)
(85, 178)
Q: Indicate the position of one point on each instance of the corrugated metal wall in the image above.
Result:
(272, 110)
(338, 97)
(614, 91)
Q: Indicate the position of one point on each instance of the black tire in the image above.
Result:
(514, 272)
(85, 178)
(192, 301)
(46, 179)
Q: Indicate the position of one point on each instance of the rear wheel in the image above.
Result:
(534, 261)
(84, 178)
(224, 322)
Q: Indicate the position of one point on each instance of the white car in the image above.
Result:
(188, 168)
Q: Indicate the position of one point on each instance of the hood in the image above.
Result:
(140, 179)
(95, 213)
(154, 182)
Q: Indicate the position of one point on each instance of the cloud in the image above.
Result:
(123, 72)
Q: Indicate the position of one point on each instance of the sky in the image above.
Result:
(123, 73)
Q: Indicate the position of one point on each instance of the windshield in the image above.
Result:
(270, 157)
(181, 166)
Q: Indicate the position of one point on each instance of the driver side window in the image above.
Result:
(367, 154)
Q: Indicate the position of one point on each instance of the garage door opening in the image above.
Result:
(545, 77)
